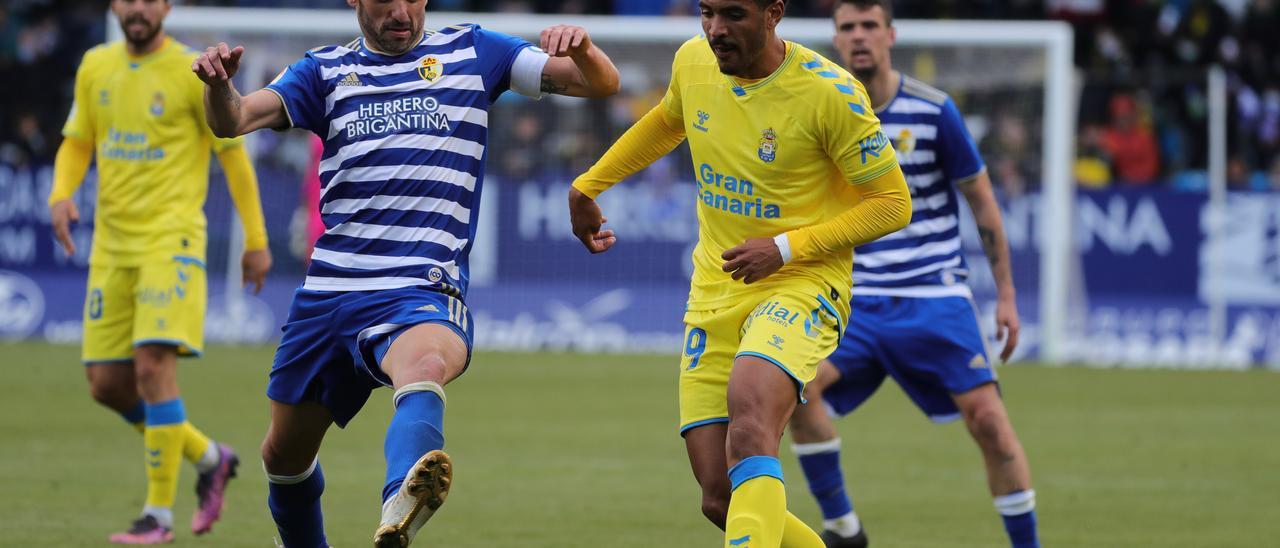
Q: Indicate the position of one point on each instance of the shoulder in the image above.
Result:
(463, 33)
(825, 83)
(918, 98)
(101, 54)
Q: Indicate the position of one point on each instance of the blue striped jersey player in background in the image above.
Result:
(404, 118)
(913, 317)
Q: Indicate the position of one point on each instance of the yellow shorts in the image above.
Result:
(155, 303)
(793, 327)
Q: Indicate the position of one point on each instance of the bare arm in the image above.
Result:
(986, 215)
(577, 67)
(228, 113)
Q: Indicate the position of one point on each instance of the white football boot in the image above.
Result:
(424, 489)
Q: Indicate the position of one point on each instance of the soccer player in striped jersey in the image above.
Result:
(913, 317)
(792, 172)
(404, 117)
(140, 115)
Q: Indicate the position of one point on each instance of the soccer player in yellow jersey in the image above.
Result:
(140, 113)
(792, 171)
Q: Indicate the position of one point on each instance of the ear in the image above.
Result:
(353, 3)
(893, 35)
(773, 13)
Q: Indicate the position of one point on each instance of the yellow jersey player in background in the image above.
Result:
(140, 113)
(792, 172)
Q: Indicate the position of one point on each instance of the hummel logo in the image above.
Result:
(701, 124)
(740, 541)
(350, 80)
(428, 308)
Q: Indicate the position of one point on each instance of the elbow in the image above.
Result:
(606, 89)
(903, 213)
(223, 132)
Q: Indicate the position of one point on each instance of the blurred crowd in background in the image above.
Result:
(1143, 105)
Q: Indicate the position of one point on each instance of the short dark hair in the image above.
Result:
(765, 3)
(862, 5)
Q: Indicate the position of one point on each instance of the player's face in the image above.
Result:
(140, 20)
(391, 26)
(863, 38)
(738, 31)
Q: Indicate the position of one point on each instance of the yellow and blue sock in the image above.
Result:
(416, 429)
(796, 534)
(196, 446)
(821, 464)
(136, 416)
(295, 506)
(163, 440)
(1018, 510)
(757, 504)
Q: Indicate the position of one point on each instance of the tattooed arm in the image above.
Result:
(986, 214)
(228, 113)
(577, 67)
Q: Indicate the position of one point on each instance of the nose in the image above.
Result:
(715, 27)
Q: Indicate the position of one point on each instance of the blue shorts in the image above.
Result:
(932, 347)
(334, 341)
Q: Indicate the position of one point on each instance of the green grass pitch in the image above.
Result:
(556, 450)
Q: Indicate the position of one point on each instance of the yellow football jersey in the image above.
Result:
(771, 156)
(145, 118)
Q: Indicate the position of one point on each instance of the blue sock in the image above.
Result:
(416, 428)
(1018, 510)
(136, 414)
(821, 465)
(295, 506)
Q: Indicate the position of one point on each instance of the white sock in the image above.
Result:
(846, 526)
(162, 515)
(210, 460)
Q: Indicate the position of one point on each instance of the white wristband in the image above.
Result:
(784, 247)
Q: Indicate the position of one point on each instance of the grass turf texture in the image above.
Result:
(559, 450)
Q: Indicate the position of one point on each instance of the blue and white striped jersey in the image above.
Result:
(404, 149)
(935, 152)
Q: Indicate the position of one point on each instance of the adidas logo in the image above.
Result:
(428, 308)
(978, 362)
(350, 80)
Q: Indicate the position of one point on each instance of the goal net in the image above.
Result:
(535, 288)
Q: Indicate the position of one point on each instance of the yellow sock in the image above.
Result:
(758, 505)
(163, 439)
(194, 442)
(795, 534)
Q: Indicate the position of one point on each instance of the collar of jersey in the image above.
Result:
(902, 78)
(370, 52)
(786, 61)
(146, 58)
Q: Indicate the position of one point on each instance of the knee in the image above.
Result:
(280, 463)
(151, 363)
(430, 366)
(716, 509)
(750, 436)
(990, 427)
(118, 396)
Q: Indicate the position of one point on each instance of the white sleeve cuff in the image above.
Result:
(526, 72)
(784, 247)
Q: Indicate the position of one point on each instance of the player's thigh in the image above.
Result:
(794, 331)
(710, 341)
(109, 315)
(432, 352)
(936, 350)
(171, 302)
(294, 436)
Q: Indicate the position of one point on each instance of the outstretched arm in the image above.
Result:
(652, 137)
(230, 114)
(577, 67)
(986, 214)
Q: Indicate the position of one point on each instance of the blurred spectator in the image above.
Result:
(1092, 169)
(1130, 143)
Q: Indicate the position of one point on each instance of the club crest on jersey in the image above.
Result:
(157, 104)
(768, 145)
(430, 68)
(906, 142)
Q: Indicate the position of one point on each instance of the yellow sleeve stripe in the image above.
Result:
(867, 176)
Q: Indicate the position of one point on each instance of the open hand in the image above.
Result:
(754, 260)
(585, 215)
(254, 266)
(218, 64)
(63, 214)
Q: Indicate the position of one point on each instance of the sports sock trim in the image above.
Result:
(754, 467)
(805, 449)
(1015, 504)
(424, 386)
(166, 413)
(291, 480)
(135, 414)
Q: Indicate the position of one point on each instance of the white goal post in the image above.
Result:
(1054, 228)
